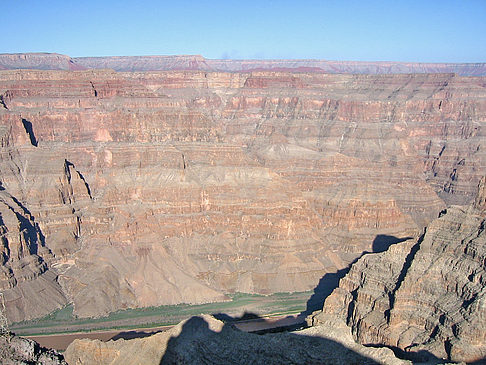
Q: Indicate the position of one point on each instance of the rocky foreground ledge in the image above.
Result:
(18, 350)
(206, 340)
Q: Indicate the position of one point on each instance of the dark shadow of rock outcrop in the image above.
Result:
(253, 323)
(200, 342)
(129, 335)
(330, 281)
(382, 242)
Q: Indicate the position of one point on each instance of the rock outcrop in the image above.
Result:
(24, 263)
(149, 188)
(426, 296)
(205, 340)
(18, 351)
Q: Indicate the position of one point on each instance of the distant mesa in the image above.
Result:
(54, 61)
(38, 61)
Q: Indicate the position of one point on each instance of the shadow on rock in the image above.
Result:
(244, 317)
(207, 341)
(416, 357)
(382, 242)
(253, 323)
(330, 281)
(129, 335)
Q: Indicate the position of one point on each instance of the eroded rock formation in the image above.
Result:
(205, 340)
(426, 296)
(18, 351)
(150, 188)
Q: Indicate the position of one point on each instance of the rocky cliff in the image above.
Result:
(147, 188)
(205, 340)
(425, 296)
(19, 351)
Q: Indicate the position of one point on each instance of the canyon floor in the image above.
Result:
(238, 307)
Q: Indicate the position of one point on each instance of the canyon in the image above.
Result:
(423, 298)
(143, 188)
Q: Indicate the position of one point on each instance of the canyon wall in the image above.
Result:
(146, 188)
(424, 297)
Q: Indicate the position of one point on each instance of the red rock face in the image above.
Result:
(155, 188)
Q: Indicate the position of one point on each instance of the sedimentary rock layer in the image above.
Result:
(150, 188)
(424, 296)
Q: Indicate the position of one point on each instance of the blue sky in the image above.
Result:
(393, 30)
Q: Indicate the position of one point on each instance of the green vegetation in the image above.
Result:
(63, 314)
(63, 320)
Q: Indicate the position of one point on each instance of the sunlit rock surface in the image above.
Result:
(426, 296)
(147, 188)
(205, 340)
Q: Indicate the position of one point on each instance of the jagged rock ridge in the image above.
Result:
(205, 340)
(18, 351)
(424, 296)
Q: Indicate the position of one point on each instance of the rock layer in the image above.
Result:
(426, 296)
(151, 188)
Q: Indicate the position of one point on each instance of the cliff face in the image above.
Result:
(150, 188)
(423, 296)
